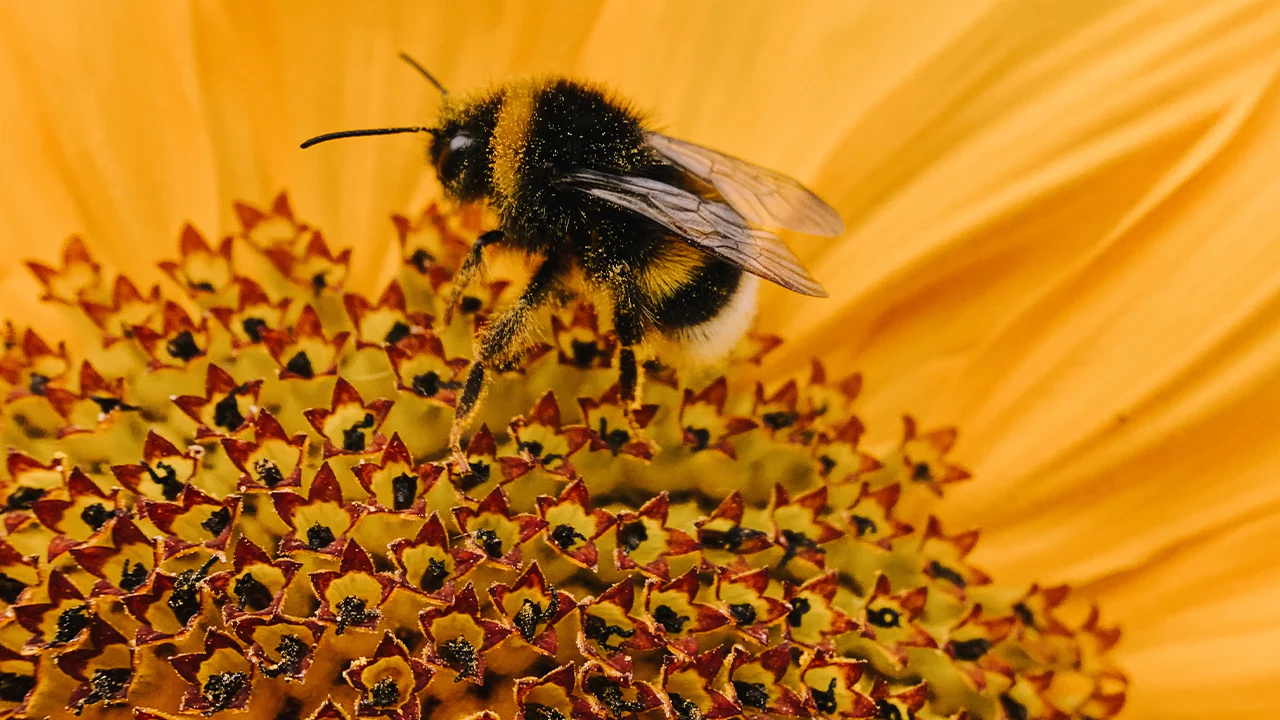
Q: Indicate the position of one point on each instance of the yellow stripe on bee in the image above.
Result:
(674, 266)
(509, 137)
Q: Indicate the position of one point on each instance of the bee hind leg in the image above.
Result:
(500, 345)
(628, 322)
(468, 401)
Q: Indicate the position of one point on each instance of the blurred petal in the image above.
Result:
(110, 140)
(1204, 614)
(1072, 254)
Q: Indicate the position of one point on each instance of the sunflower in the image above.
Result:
(1061, 241)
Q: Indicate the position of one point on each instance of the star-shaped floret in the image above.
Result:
(164, 472)
(218, 678)
(31, 364)
(1094, 640)
(832, 682)
(757, 683)
(813, 620)
(870, 516)
(838, 458)
(275, 225)
(693, 687)
(428, 563)
(255, 584)
(125, 310)
(227, 405)
(320, 521)
(1041, 634)
(616, 697)
(921, 460)
(78, 277)
(170, 604)
(103, 667)
(423, 368)
(59, 618)
(673, 613)
(83, 510)
(1028, 699)
(252, 314)
(312, 267)
(542, 439)
(742, 595)
(428, 244)
(552, 697)
(830, 400)
(458, 637)
(703, 423)
(608, 630)
(389, 681)
(121, 556)
(579, 342)
(573, 526)
(889, 625)
(279, 645)
(723, 536)
(532, 607)
(898, 700)
(754, 347)
(272, 460)
(944, 556)
(386, 322)
(497, 532)
(607, 428)
(178, 341)
(30, 480)
(970, 641)
(779, 411)
(395, 483)
(98, 404)
(349, 425)
(307, 352)
(350, 597)
(201, 271)
(645, 542)
(799, 526)
(485, 470)
(196, 521)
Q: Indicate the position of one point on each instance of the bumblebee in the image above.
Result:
(674, 236)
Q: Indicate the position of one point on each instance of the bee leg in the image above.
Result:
(466, 406)
(629, 324)
(502, 342)
(467, 271)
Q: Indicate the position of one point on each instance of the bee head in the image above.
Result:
(459, 154)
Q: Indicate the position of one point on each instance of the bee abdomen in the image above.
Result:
(709, 311)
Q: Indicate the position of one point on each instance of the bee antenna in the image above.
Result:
(418, 66)
(360, 133)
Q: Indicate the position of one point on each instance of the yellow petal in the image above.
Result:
(1202, 615)
(110, 102)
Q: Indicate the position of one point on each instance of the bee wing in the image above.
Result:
(712, 226)
(760, 195)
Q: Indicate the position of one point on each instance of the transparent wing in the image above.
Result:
(713, 226)
(760, 195)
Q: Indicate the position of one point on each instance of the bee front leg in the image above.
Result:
(467, 271)
(500, 345)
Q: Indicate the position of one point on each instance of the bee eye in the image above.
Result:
(459, 141)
